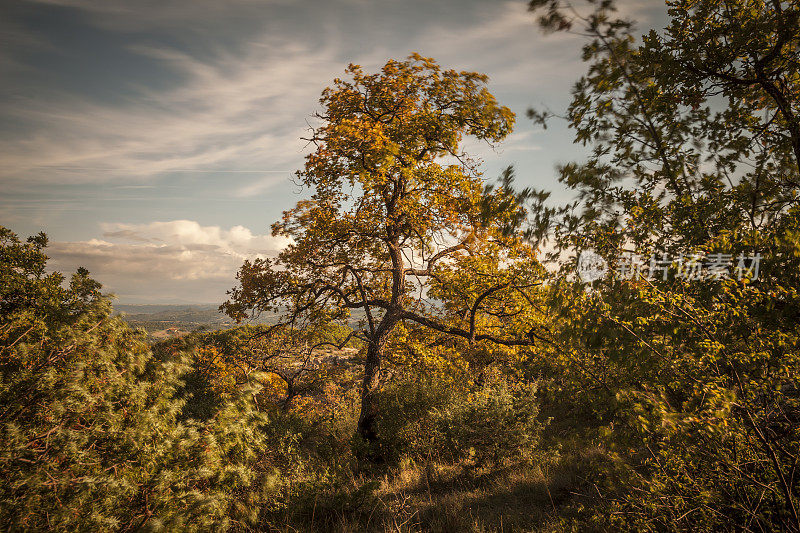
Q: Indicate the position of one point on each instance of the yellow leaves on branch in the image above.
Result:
(384, 133)
(224, 375)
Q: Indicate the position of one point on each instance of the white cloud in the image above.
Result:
(507, 45)
(140, 261)
(235, 108)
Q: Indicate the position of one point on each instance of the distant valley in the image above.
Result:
(162, 321)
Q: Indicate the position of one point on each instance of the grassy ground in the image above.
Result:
(446, 498)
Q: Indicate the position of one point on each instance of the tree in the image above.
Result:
(288, 361)
(694, 151)
(398, 213)
(31, 297)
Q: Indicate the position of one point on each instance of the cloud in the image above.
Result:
(261, 185)
(233, 112)
(519, 141)
(231, 107)
(507, 45)
(240, 104)
(189, 261)
(123, 15)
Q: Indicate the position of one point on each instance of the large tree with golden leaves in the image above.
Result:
(400, 226)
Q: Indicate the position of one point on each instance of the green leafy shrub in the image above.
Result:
(494, 422)
(92, 436)
(486, 423)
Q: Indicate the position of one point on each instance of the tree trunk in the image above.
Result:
(369, 400)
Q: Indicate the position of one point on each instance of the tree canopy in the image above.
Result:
(694, 157)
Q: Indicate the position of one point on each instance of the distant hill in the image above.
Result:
(162, 321)
(196, 314)
(147, 309)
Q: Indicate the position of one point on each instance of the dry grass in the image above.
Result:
(444, 498)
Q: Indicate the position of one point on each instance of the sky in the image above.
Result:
(154, 141)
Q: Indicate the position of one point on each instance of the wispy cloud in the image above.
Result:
(232, 114)
(123, 15)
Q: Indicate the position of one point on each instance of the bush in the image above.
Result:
(94, 439)
(489, 422)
